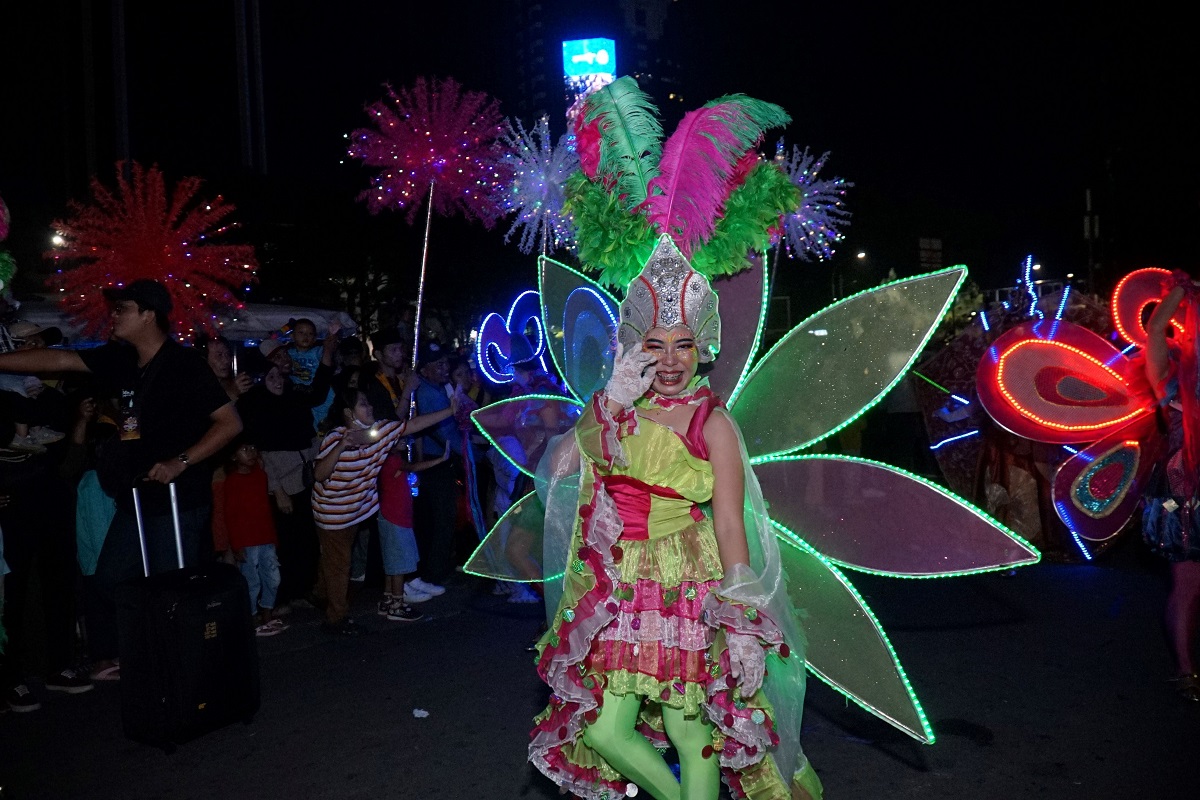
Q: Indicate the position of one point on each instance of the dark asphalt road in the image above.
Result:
(1049, 683)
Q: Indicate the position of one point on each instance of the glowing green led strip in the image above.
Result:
(522, 399)
(758, 334)
(542, 261)
(789, 538)
(1035, 554)
(512, 509)
(900, 375)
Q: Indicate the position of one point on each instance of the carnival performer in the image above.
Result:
(674, 598)
(1170, 517)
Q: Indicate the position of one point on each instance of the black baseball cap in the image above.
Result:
(431, 352)
(149, 295)
(382, 338)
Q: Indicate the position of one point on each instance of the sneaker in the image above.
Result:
(267, 629)
(346, 627)
(20, 699)
(70, 681)
(385, 605)
(403, 613)
(359, 578)
(523, 594)
(43, 435)
(26, 444)
(414, 595)
(431, 589)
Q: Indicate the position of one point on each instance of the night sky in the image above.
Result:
(981, 128)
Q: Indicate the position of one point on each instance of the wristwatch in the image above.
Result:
(184, 458)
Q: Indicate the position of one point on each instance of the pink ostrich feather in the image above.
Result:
(139, 233)
(700, 166)
(437, 135)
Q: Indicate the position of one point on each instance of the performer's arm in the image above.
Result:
(729, 490)
(42, 360)
(1157, 352)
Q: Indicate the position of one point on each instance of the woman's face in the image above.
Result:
(461, 376)
(362, 411)
(274, 380)
(220, 360)
(675, 349)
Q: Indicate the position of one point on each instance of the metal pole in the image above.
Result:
(416, 346)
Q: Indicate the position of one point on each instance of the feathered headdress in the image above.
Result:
(705, 187)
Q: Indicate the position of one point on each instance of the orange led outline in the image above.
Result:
(1116, 308)
(1058, 425)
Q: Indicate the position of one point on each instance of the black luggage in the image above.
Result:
(189, 658)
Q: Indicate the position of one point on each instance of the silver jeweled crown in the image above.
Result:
(668, 292)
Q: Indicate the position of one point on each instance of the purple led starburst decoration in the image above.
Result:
(812, 231)
(536, 195)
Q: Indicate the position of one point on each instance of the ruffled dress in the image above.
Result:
(632, 618)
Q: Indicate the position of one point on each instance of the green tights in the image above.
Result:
(614, 736)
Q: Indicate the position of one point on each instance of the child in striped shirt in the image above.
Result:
(346, 494)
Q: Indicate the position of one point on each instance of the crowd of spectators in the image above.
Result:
(312, 459)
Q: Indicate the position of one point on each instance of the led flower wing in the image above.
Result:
(520, 427)
(842, 361)
(833, 503)
(846, 646)
(580, 320)
(741, 296)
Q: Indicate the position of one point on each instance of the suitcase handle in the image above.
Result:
(137, 512)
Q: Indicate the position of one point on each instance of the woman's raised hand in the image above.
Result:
(631, 376)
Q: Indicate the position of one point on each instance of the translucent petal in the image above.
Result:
(847, 647)
(512, 550)
(580, 320)
(840, 362)
(520, 427)
(878, 518)
(743, 307)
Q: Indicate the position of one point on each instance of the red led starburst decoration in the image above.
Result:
(437, 135)
(140, 232)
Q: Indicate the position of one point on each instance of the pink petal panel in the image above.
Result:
(520, 427)
(846, 646)
(743, 312)
(872, 517)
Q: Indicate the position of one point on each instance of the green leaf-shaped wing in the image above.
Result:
(580, 320)
(847, 647)
(840, 362)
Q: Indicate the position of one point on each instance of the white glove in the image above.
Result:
(631, 375)
(747, 661)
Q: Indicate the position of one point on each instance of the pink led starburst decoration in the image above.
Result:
(434, 135)
(141, 232)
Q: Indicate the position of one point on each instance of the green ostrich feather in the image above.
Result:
(631, 137)
(610, 240)
(751, 210)
(8, 268)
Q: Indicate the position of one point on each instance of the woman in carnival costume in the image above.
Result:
(672, 595)
(1170, 518)
(666, 617)
(666, 620)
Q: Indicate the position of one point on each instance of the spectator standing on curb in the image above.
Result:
(346, 490)
(174, 417)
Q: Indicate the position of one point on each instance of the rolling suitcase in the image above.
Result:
(189, 658)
